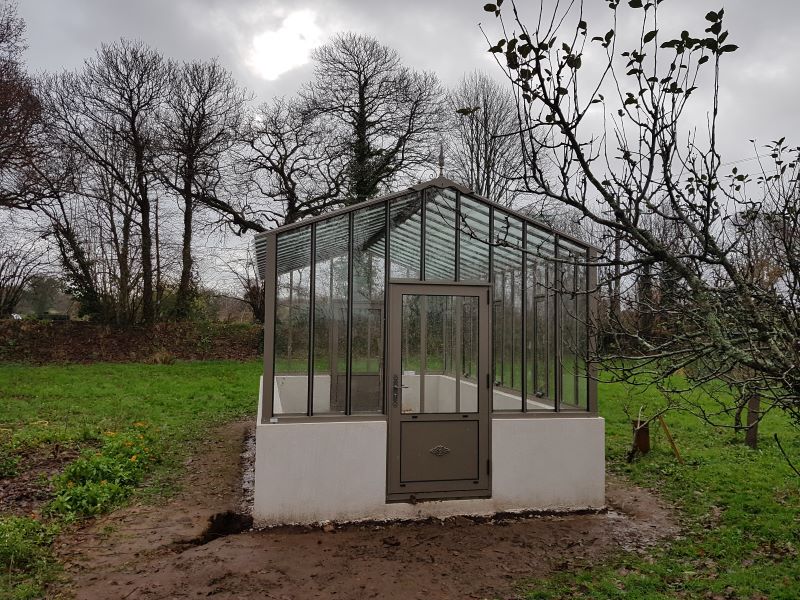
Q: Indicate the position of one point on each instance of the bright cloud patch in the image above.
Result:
(273, 53)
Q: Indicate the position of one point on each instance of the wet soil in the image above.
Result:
(200, 545)
(30, 488)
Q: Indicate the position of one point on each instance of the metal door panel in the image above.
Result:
(438, 450)
(438, 454)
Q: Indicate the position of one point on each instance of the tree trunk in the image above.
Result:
(184, 297)
(753, 416)
(148, 306)
(616, 300)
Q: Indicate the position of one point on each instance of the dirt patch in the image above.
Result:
(30, 489)
(167, 552)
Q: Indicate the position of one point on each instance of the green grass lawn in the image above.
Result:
(740, 508)
(130, 420)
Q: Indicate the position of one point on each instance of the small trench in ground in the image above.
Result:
(223, 524)
(231, 522)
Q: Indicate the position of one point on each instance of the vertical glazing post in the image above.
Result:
(386, 272)
(349, 322)
(524, 316)
(270, 314)
(558, 290)
(312, 319)
(591, 331)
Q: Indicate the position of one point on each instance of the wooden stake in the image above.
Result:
(669, 437)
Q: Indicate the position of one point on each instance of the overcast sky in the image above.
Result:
(267, 45)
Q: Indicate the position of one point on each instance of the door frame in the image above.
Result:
(448, 490)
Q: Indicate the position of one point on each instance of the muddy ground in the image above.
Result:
(30, 487)
(167, 551)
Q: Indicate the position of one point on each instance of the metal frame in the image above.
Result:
(267, 247)
(397, 491)
(439, 182)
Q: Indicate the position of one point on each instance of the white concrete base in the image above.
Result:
(336, 471)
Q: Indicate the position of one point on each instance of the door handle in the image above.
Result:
(396, 387)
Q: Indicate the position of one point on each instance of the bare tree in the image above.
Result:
(251, 288)
(20, 261)
(732, 317)
(293, 161)
(387, 117)
(201, 122)
(95, 231)
(482, 149)
(19, 114)
(106, 114)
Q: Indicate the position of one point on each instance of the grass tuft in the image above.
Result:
(25, 556)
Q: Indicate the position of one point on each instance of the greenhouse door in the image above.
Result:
(438, 391)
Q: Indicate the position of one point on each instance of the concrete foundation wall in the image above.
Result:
(310, 472)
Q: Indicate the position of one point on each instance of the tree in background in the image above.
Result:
(20, 261)
(362, 123)
(733, 310)
(42, 293)
(294, 160)
(386, 117)
(19, 113)
(250, 288)
(106, 115)
(201, 121)
(482, 146)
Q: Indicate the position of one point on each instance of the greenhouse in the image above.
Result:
(426, 353)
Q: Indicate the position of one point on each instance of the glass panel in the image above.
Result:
(507, 324)
(539, 314)
(473, 227)
(536, 338)
(292, 323)
(411, 353)
(582, 337)
(369, 272)
(437, 376)
(439, 353)
(440, 235)
(568, 327)
(330, 315)
(552, 339)
(467, 309)
(405, 238)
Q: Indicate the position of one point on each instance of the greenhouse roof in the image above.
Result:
(372, 232)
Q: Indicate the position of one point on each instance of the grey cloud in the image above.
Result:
(759, 85)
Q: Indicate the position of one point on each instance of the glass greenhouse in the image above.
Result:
(435, 311)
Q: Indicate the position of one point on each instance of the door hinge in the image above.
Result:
(489, 467)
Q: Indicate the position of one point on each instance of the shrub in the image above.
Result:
(101, 479)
